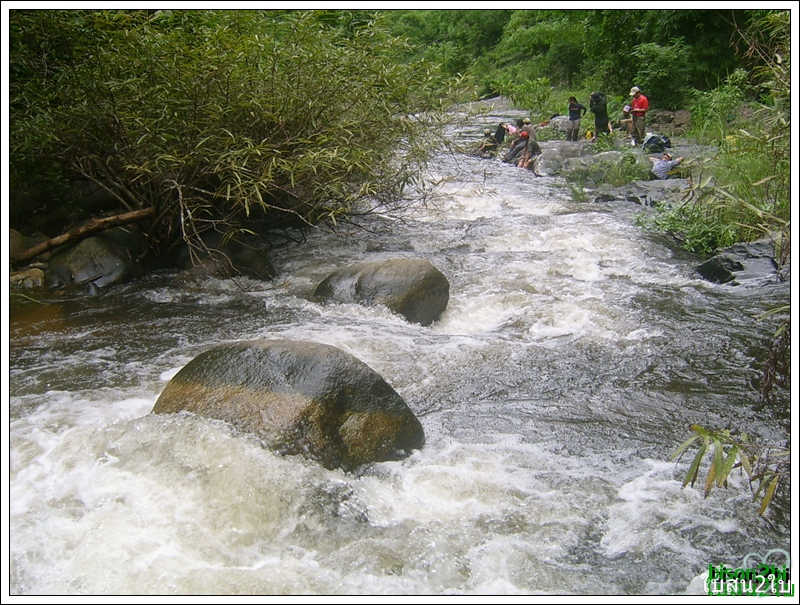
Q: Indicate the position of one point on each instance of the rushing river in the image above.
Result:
(575, 351)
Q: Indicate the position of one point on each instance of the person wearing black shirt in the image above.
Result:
(598, 105)
(576, 112)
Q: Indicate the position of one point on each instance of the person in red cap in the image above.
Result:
(532, 151)
(519, 147)
(639, 109)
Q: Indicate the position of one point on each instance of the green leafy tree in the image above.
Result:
(613, 37)
(717, 112)
(221, 120)
(664, 72)
(665, 52)
(452, 38)
(531, 93)
(551, 38)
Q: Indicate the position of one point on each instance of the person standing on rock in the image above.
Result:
(639, 109)
(598, 105)
(576, 112)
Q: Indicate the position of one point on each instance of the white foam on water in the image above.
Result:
(656, 514)
(532, 479)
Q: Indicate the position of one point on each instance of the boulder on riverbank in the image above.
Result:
(752, 263)
(222, 255)
(108, 258)
(298, 398)
(644, 193)
(413, 288)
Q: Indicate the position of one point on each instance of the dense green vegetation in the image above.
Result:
(744, 192)
(221, 119)
(668, 53)
(224, 119)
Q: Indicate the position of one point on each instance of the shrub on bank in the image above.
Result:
(220, 119)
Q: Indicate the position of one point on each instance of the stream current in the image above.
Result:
(575, 351)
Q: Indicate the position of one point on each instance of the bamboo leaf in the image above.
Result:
(765, 180)
(773, 485)
(760, 488)
(780, 454)
(717, 465)
(744, 458)
(727, 465)
(710, 477)
(691, 475)
(683, 447)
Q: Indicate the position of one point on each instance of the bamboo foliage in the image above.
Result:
(207, 116)
(765, 466)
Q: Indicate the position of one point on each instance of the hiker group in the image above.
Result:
(523, 148)
(633, 118)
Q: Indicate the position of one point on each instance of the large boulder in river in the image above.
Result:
(413, 288)
(298, 398)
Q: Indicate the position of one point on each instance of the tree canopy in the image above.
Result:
(665, 51)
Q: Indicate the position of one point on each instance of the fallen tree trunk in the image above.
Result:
(93, 226)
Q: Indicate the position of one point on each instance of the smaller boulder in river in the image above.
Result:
(750, 263)
(298, 398)
(413, 288)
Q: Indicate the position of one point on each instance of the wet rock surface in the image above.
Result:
(298, 397)
(413, 288)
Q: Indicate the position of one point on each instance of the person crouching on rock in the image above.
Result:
(626, 121)
(532, 151)
(517, 149)
(489, 143)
